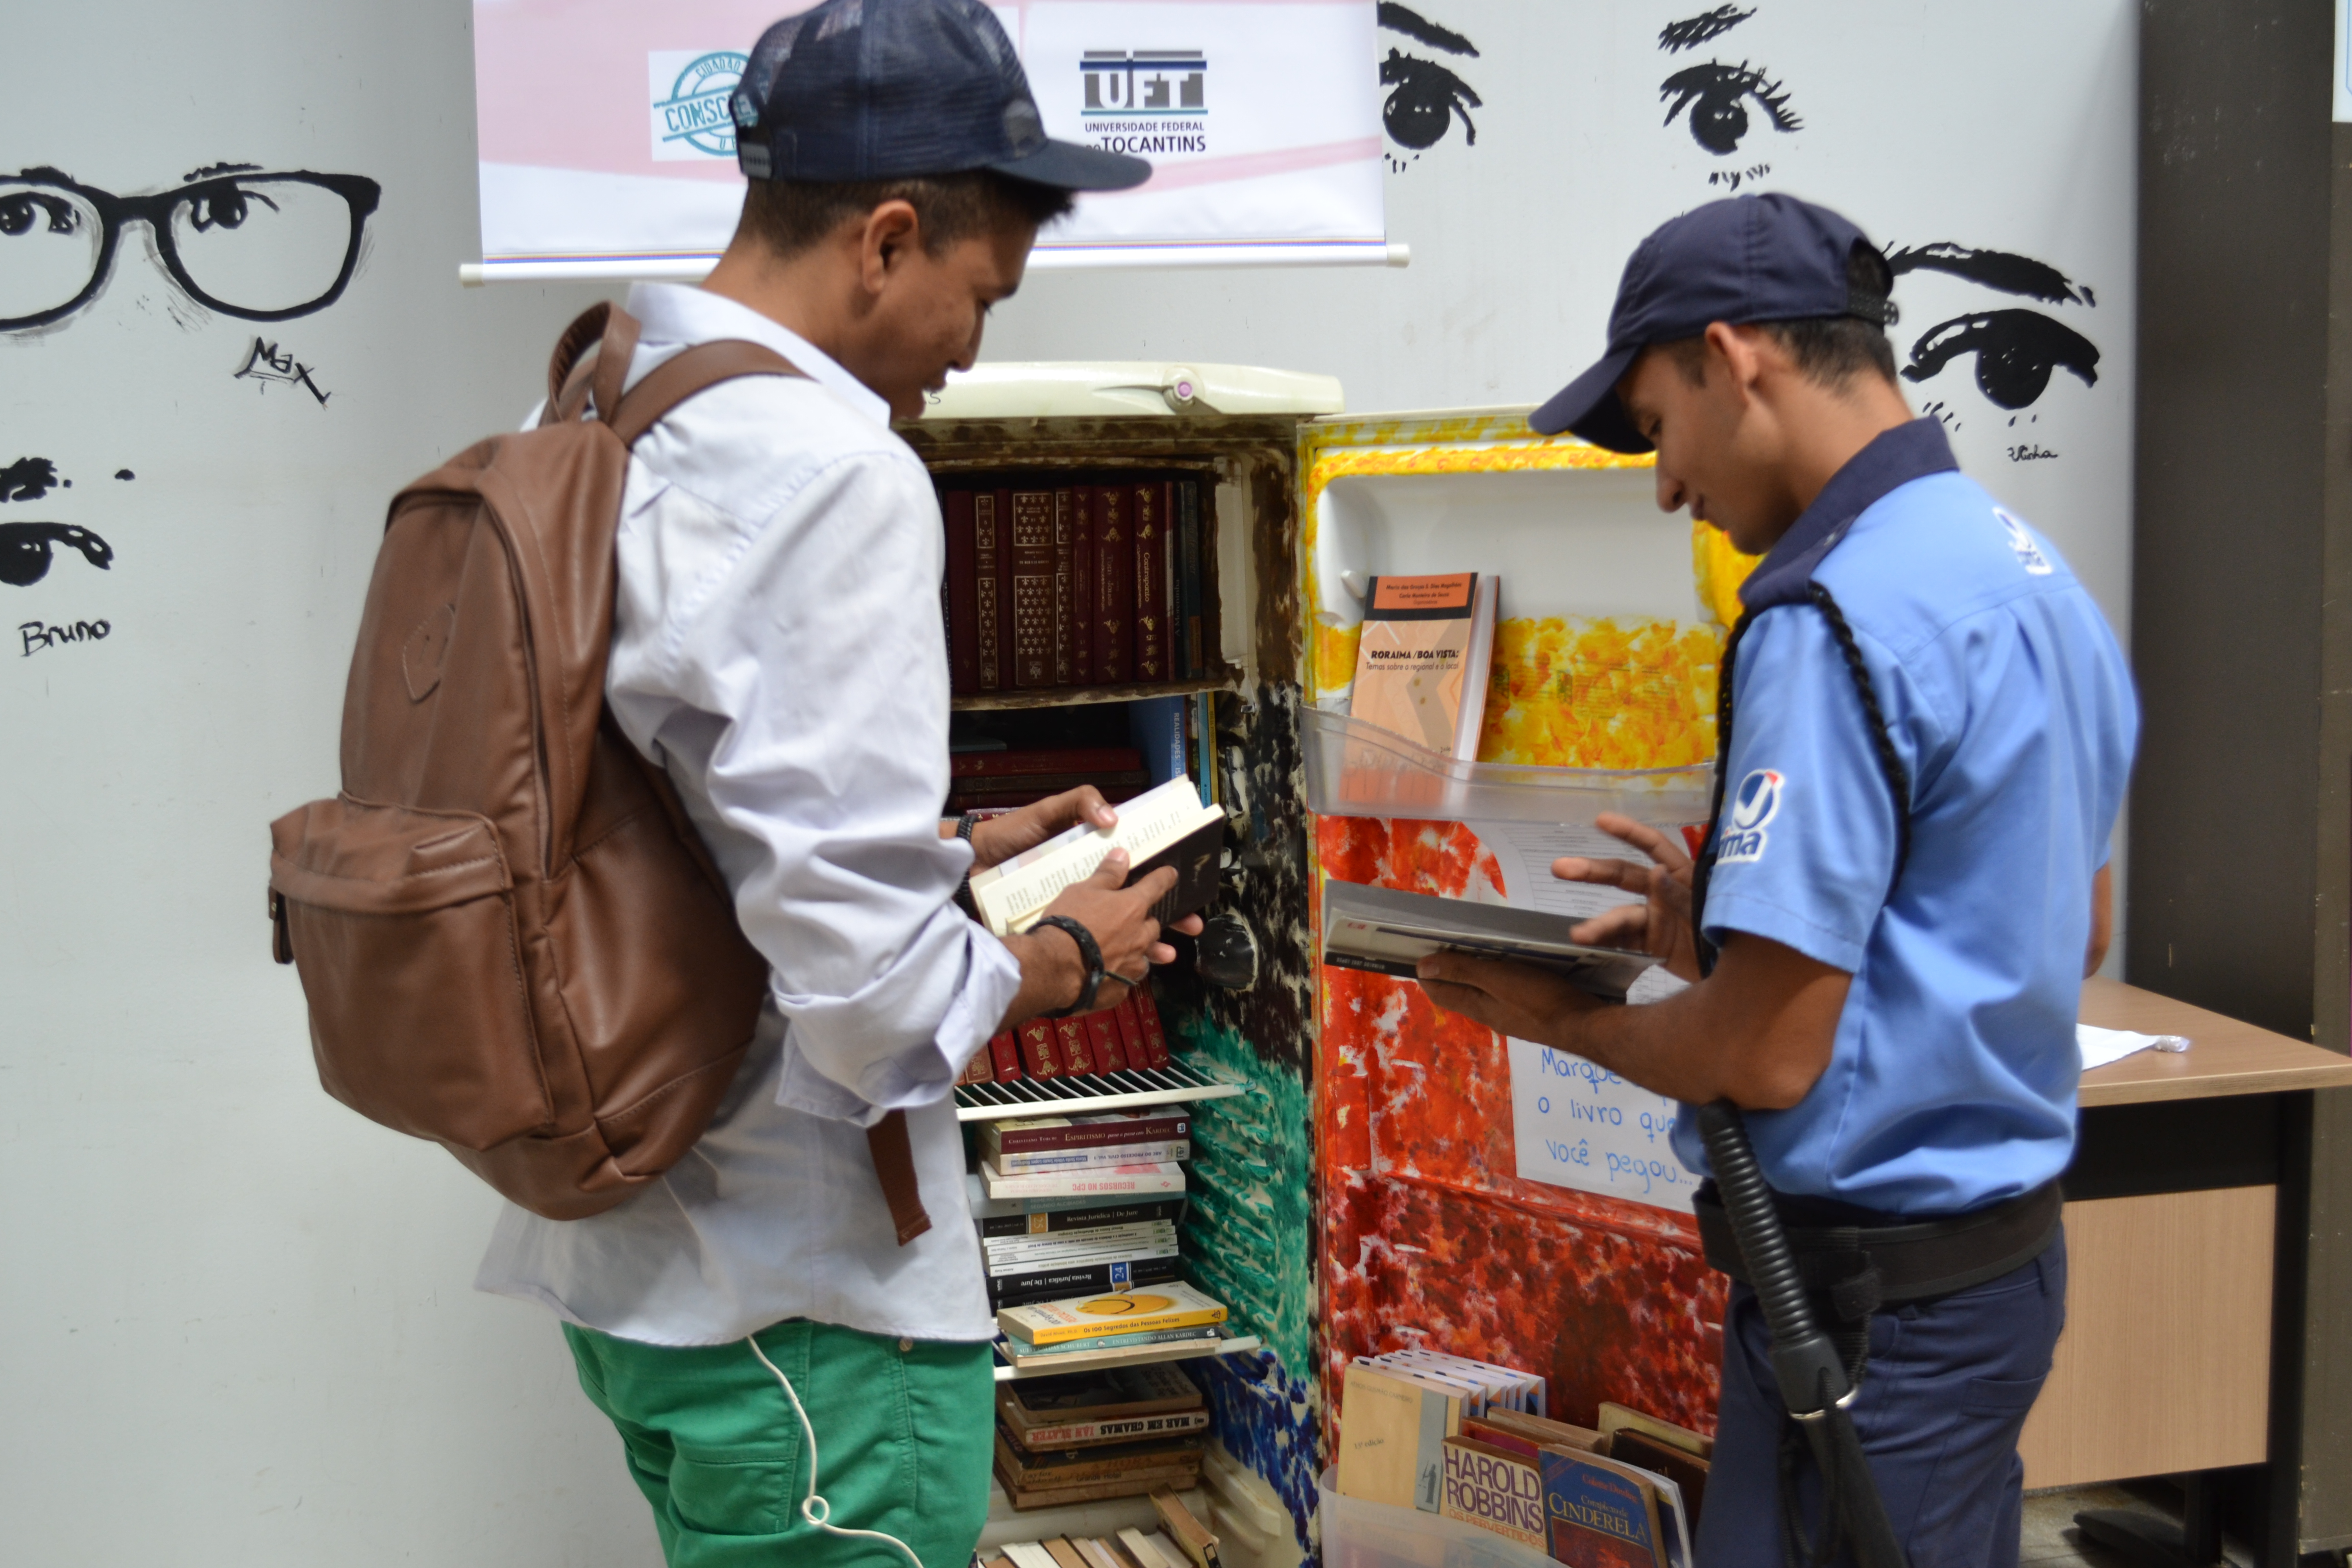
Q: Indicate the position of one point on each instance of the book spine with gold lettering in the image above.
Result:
(1032, 588)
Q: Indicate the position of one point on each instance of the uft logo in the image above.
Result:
(2029, 554)
(691, 117)
(1148, 81)
(1754, 803)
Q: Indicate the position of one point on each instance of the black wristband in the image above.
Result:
(1088, 954)
(964, 826)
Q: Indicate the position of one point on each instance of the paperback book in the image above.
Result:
(1170, 1305)
(1387, 931)
(1423, 657)
(1121, 1179)
(1168, 825)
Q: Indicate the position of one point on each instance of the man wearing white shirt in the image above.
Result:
(776, 646)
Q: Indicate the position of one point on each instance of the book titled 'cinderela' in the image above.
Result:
(1164, 827)
(1389, 931)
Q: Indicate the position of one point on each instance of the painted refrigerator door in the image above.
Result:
(1482, 1195)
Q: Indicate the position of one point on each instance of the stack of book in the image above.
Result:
(1112, 1432)
(1108, 1191)
(1110, 1039)
(1077, 579)
(1181, 1542)
(1451, 1440)
(996, 781)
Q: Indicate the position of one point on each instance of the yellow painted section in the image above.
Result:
(1602, 694)
(1483, 441)
(1718, 570)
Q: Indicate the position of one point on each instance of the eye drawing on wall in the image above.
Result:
(234, 239)
(2016, 350)
(1692, 31)
(1425, 98)
(25, 548)
(1713, 93)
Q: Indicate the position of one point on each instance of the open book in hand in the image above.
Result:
(1390, 931)
(1163, 826)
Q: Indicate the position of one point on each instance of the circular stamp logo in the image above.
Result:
(695, 114)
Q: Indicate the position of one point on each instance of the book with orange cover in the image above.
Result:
(1422, 660)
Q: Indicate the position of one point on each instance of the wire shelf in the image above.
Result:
(1171, 1085)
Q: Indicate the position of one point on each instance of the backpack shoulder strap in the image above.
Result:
(676, 379)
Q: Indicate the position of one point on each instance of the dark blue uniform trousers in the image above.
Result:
(1943, 1399)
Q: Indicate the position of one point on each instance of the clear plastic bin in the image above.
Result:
(1355, 769)
(1361, 1534)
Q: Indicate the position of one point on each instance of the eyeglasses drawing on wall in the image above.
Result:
(261, 246)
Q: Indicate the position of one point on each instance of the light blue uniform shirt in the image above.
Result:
(1952, 1081)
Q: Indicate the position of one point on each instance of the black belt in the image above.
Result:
(1859, 1268)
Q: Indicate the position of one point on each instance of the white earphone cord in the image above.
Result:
(814, 1509)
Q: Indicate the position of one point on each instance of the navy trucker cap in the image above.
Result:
(885, 90)
(1740, 260)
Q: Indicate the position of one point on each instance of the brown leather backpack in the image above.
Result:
(512, 939)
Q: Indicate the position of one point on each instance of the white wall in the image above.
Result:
(237, 1320)
(1999, 125)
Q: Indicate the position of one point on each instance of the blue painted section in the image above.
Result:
(1264, 1419)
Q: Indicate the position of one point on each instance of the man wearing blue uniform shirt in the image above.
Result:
(1927, 733)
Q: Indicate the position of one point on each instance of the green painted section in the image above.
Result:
(1249, 1234)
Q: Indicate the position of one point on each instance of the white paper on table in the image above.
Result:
(2101, 1046)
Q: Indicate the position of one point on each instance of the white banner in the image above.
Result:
(606, 149)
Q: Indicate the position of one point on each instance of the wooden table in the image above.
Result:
(2184, 1205)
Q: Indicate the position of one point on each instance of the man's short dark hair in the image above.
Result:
(1830, 351)
(790, 215)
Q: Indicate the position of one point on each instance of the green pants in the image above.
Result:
(904, 1432)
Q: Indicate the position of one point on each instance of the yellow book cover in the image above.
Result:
(1170, 1305)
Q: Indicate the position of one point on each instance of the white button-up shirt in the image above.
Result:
(776, 645)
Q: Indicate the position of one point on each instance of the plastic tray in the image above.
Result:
(1362, 1535)
(1355, 769)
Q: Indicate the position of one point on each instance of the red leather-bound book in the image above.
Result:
(1150, 530)
(1039, 1053)
(1130, 1031)
(1113, 587)
(982, 1069)
(1082, 585)
(1146, 1013)
(1004, 1055)
(1110, 1048)
(1032, 588)
(1071, 1036)
(962, 595)
(990, 589)
(1066, 626)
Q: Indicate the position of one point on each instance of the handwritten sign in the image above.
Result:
(1580, 1125)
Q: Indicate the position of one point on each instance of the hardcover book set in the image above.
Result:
(1080, 579)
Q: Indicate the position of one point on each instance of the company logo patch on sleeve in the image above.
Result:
(2029, 554)
(1755, 804)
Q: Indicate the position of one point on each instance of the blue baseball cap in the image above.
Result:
(886, 90)
(1740, 260)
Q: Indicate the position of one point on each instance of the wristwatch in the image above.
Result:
(964, 826)
(1088, 954)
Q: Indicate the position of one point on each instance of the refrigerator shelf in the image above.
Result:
(1171, 1085)
(1355, 769)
